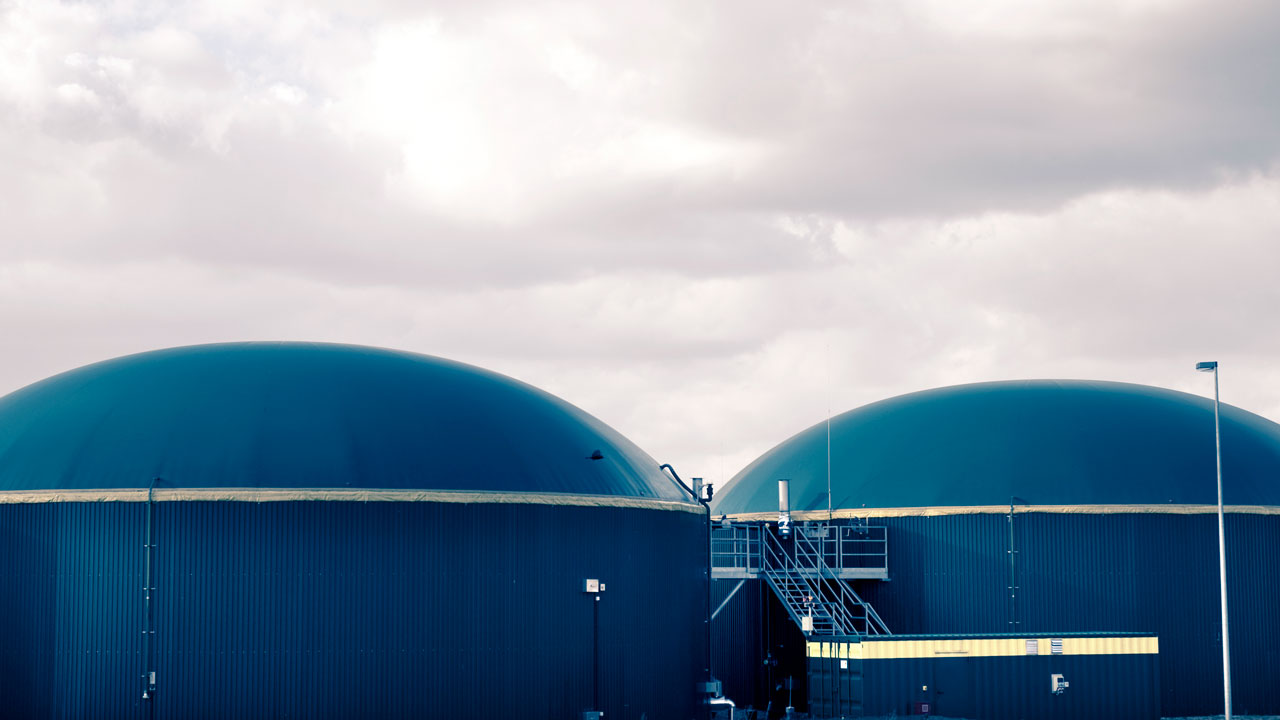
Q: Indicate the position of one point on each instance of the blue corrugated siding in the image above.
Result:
(739, 645)
(1103, 687)
(316, 609)
(756, 647)
(1101, 573)
(1153, 573)
(71, 610)
(835, 687)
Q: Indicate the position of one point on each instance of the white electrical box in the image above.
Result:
(1057, 684)
(591, 585)
(806, 624)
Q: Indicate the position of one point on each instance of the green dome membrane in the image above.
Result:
(302, 415)
(1046, 442)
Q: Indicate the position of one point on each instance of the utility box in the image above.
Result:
(710, 687)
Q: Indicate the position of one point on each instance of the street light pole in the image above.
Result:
(1222, 542)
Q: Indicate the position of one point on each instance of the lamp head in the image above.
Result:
(1206, 366)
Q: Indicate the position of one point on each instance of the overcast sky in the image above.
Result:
(707, 223)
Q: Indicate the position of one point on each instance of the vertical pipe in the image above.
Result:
(595, 653)
(1013, 576)
(148, 629)
(710, 677)
(698, 486)
(1222, 555)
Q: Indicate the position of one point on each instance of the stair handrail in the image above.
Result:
(777, 580)
(871, 620)
(784, 571)
(835, 589)
(830, 590)
(807, 586)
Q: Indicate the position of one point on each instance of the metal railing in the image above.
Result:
(799, 574)
(846, 549)
(860, 617)
(801, 593)
(849, 546)
(736, 547)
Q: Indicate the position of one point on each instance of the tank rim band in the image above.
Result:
(259, 495)
(859, 513)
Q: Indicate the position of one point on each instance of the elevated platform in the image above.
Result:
(810, 567)
(849, 551)
(730, 573)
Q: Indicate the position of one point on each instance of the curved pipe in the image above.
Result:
(671, 472)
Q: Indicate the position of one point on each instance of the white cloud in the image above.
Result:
(708, 224)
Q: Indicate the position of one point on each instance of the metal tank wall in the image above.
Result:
(343, 609)
(1079, 572)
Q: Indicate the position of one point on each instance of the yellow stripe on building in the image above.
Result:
(1111, 646)
(891, 649)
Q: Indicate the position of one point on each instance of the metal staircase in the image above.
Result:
(810, 572)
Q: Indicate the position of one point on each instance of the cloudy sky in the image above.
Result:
(707, 223)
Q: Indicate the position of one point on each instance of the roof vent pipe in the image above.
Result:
(784, 508)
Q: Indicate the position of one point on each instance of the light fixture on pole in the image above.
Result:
(1212, 367)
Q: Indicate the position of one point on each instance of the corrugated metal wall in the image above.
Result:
(71, 579)
(1103, 687)
(738, 649)
(835, 687)
(756, 647)
(1139, 572)
(328, 609)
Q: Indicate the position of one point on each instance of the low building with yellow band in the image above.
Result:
(985, 676)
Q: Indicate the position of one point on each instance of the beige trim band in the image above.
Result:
(340, 495)
(887, 648)
(1170, 509)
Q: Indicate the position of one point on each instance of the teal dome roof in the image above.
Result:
(302, 415)
(1047, 442)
